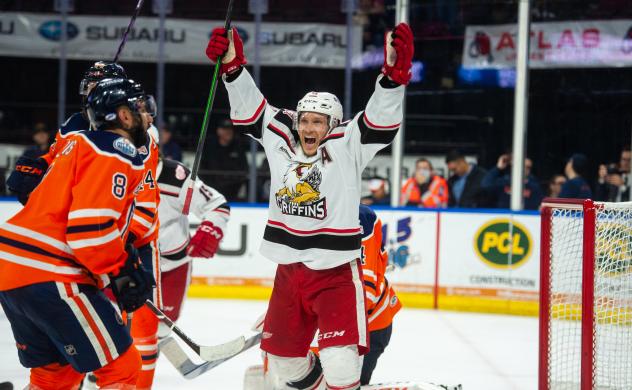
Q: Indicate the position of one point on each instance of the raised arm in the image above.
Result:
(248, 106)
(376, 126)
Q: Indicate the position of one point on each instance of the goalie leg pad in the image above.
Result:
(297, 373)
(341, 367)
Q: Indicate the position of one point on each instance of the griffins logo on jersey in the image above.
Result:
(300, 195)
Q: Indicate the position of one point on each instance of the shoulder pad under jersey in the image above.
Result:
(173, 173)
(153, 133)
(145, 150)
(367, 220)
(76, 122)
(109, 143)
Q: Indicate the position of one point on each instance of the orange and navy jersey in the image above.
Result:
(434, 196)
(145, 224)
(75, 123)
(380, 300)
(75, 224)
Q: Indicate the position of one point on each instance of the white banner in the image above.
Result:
(98, 37)
(573, 44)
(476, 256)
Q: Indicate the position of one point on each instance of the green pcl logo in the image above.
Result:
(613, 249)
(504, 244)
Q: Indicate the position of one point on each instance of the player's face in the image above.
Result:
(135, 124)
(312, 128)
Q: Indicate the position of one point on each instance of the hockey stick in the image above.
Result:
(206, 352)
(187, 368)
(209, 106)
(139, 5)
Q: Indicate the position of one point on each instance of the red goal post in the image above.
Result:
(585, 295)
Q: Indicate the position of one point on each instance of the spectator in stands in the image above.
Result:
(226, 161)
(41, 138)
(465, 183)
(625, 159)
(3, 187)
(555, 186)
(379, 193)
(168, 147)
(497, 183)
(576, 186)
(610, 186)
(603, 189)
(424, 188)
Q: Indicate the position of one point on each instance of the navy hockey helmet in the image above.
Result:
(98, 71)
(108, 95)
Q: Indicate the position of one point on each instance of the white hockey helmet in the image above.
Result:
(322, 103)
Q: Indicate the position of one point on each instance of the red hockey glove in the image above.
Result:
(232, 49)
(205, 241)
(398, 54)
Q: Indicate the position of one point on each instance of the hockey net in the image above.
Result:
(586, 295)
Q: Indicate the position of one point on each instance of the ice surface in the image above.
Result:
(481, 351)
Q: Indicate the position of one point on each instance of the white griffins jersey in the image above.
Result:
(314, 201)
(206, 204)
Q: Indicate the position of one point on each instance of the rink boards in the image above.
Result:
(450, 259)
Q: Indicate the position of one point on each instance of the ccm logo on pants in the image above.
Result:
(330, 335)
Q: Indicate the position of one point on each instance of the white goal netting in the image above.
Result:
(612, 305)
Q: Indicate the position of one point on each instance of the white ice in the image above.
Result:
(481, 351)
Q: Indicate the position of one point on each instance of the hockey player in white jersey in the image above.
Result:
(313, 233)
(177, 248)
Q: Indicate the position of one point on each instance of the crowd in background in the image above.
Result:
(225, 164)
(470, 186)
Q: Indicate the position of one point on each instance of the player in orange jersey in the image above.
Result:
(28, 171)
(58, 252)
(143, 235)
(144, 230)
(380, 300)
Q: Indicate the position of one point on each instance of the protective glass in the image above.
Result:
(144, 104)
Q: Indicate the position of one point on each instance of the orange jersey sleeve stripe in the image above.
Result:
(381, 302)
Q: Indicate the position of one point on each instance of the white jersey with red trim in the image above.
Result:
(206, 204)
(313, 210)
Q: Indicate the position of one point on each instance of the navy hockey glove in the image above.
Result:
(133, 284)
(27, 175)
